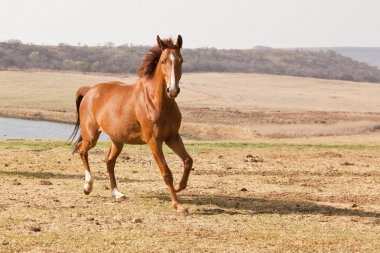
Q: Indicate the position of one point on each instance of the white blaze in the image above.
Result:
(173, 85)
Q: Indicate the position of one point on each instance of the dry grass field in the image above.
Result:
(217, 106)
(242, 197)
(245, 92)
(281, 164)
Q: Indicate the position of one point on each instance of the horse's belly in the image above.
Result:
(136, 140)
(129, 134)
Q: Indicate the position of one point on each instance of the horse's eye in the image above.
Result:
(163, 62)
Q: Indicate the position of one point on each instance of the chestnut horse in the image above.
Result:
(145, 112)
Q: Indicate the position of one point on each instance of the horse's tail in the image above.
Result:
(80, 94)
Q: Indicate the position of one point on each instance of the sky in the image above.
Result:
(225, 24)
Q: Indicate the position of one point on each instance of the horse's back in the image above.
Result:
(103, 93)
(112, 109)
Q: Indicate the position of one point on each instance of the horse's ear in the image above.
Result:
(160, 43)
(179, 41)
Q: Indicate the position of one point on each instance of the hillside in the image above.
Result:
(126, 59)
(369, 55)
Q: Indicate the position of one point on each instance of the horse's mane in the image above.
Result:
(149, 64)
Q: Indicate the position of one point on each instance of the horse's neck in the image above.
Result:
(156, 95)
(158, 90)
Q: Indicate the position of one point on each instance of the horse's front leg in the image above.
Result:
(176, 144)
(156, 147)
(110, 160)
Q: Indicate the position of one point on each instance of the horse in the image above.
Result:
(141, 113)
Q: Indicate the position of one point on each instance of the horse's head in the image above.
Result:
(171, 65)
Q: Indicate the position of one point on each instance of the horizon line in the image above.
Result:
(113, 44)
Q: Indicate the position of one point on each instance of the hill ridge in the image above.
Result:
(324, 64)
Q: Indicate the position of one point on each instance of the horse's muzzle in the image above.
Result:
(173, 93)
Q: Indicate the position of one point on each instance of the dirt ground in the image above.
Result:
(242, 197)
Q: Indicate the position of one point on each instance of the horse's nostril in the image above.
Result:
(179, 90)
(167, 90)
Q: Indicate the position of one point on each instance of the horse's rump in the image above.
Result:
(81, 92)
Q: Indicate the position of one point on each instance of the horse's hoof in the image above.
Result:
(118, 195)
(178, 188)
(182, 211)
(87, 188)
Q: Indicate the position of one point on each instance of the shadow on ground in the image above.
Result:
(41, 175)
(50, 175)
(249, 206)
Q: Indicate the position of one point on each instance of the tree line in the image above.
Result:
(127, 58)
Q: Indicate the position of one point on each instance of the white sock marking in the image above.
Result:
(117, 194)
(88, 177)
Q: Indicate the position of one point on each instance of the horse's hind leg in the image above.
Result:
(83, 147)
(110, 160)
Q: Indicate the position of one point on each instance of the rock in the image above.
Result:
(136, 220)
(243, 189)
(15, 182)
(253, 159)
(257, 159)
(347, 164)
(46, 182)
(331, 154)
(354, 205)
(35, 228)
(220, 157)
(124, 157)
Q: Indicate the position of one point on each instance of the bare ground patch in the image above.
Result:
(242, 198)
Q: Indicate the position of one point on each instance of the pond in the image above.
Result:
(11, 128)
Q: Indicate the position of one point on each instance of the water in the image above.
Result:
(11, 128)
